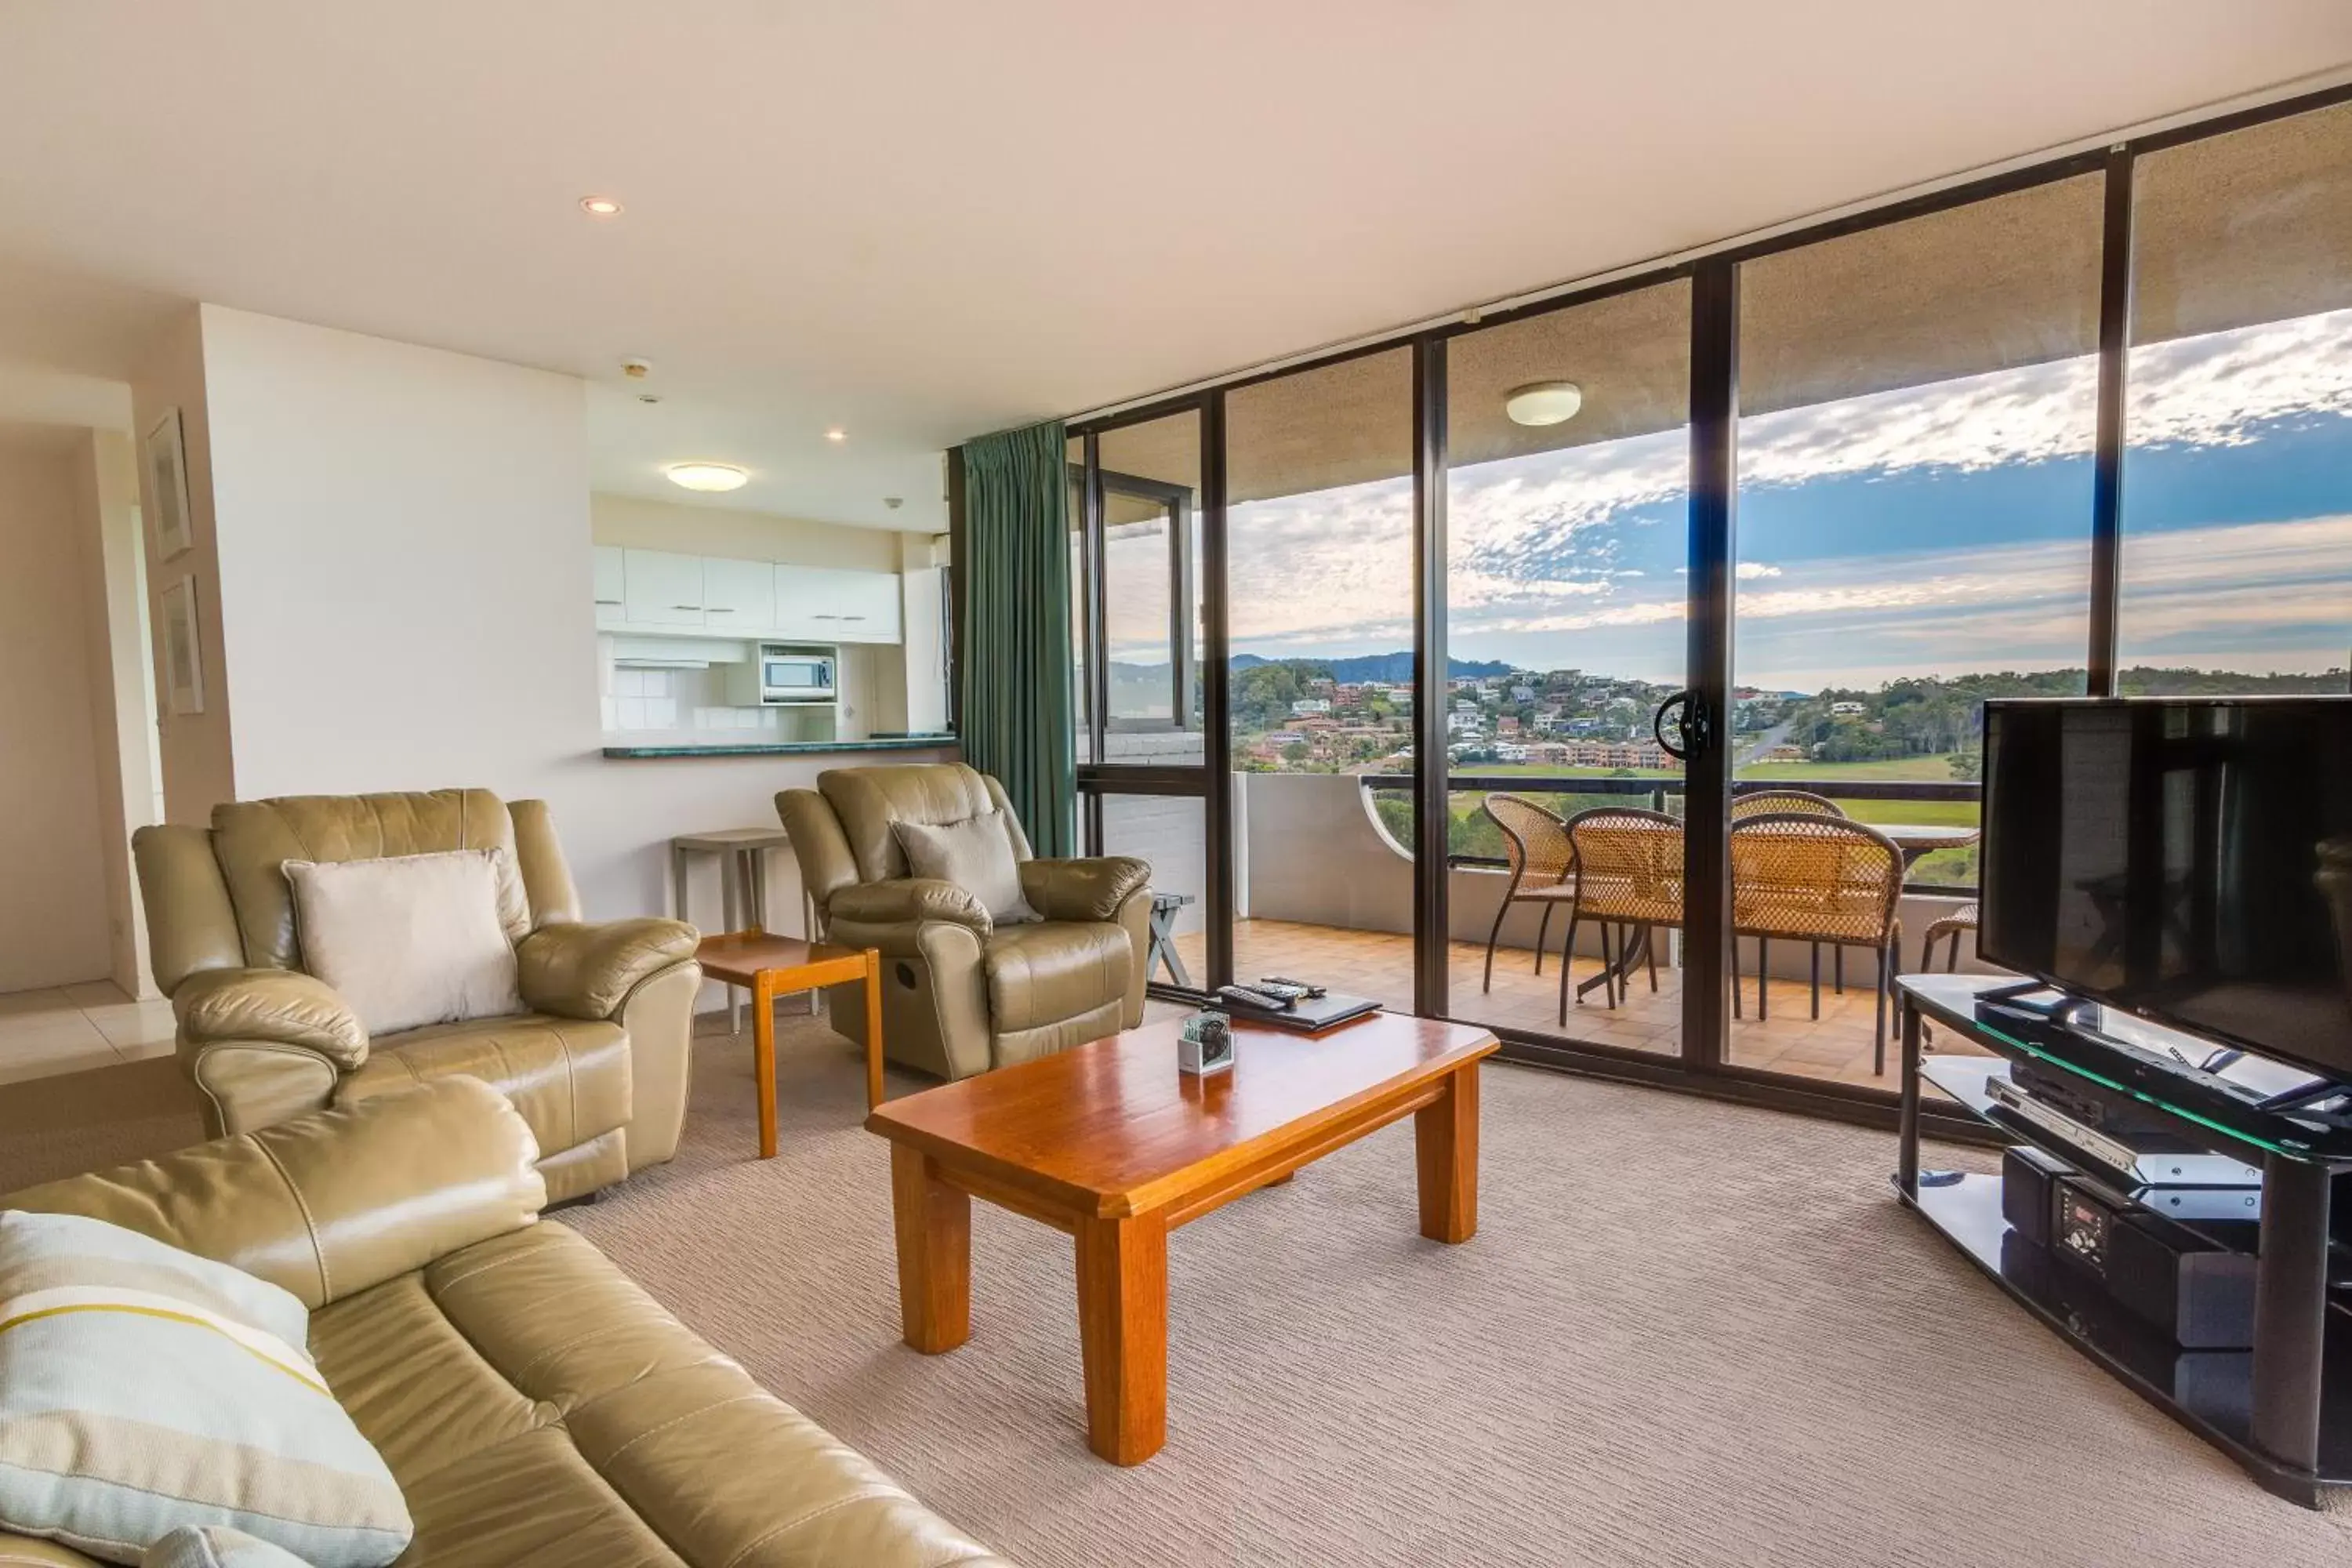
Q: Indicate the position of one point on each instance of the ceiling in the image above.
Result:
(919, 223)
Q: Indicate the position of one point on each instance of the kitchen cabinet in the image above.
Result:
(663, 590)
(739, 595)
(612, 607)
(824, 604)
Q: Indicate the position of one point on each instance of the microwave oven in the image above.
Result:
(787, 676)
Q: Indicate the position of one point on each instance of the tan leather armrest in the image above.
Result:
(576, 971)
(191, 924)
(331, 1203)
(284, 1007)
(909, 900)
(1087, 889)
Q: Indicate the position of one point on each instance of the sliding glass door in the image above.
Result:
(1610, 640)
(2236, 574)
(1143, 774)
(1319, 589)
(1919, 409)
(1567, 489)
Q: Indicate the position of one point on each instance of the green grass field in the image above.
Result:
(1936, 768)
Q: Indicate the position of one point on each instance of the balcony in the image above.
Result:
(1323, 891)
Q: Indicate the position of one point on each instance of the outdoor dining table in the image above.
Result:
(1915, 839)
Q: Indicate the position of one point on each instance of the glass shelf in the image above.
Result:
(1950, 1001)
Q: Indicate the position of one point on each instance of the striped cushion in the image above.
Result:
(143, 1388)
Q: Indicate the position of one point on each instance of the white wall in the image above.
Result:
(406, 596)
(405, 589)
(197, 764)
(53, 914)
(923, 561)
(129, 779)
(636, 523)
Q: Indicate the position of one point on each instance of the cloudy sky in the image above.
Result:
(1938, 529)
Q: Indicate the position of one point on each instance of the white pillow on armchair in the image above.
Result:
(976, 855)
(409, 940)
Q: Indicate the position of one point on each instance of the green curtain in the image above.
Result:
(1018, 719)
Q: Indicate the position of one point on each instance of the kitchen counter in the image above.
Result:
(787, 748)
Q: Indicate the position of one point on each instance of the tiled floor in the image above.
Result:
(1379, 964)
(71, 1028)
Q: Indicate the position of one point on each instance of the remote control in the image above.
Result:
(1274, 981)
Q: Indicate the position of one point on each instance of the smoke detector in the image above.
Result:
(893, 502)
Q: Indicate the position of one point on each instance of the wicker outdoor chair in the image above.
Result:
(1757, 802)
(1810, 877)
(1629, 877)
(1960, 922)
(1543, 868)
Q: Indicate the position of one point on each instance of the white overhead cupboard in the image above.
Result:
(660, 591)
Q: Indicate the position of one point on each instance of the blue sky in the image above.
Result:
(1938, 529)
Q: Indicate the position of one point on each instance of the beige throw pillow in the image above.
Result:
(976, 855)
(407, 940)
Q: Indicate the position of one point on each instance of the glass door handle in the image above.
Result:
(1692, 731)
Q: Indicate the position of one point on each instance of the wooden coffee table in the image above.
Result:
(1109, 1143)
(773, 966)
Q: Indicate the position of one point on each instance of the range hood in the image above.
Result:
(678, 653)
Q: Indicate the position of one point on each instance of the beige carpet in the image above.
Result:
(1686, 1334)
(72, 1123)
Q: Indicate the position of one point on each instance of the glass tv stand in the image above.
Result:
(2283, 1409)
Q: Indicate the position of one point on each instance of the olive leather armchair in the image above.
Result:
(961, 995)
(597, 1065)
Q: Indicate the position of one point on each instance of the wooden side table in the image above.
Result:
(771, 966)
(742, 881)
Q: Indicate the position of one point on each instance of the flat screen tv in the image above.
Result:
(2188, 860)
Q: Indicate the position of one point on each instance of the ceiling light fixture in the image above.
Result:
(600, 206)
(1544, 402)
(836, 434)
(707, 476)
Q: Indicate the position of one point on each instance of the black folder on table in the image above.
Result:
(1307, 1016)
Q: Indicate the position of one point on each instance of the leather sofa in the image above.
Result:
(535, 1406)
(597, 1065)
(961, 995)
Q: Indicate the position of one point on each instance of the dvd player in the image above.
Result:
(2141, 1160)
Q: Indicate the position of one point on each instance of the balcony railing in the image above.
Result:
(1659, 793)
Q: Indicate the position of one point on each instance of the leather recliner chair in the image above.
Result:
(961, 995)
(597, 1067)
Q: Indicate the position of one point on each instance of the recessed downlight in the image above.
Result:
(711, 477)
(600, 206)
(1544, 402)
(836, 434)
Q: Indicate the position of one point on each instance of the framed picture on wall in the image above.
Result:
(184, 652)
(167, 486)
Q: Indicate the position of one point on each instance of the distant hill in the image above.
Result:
(1388, 668)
